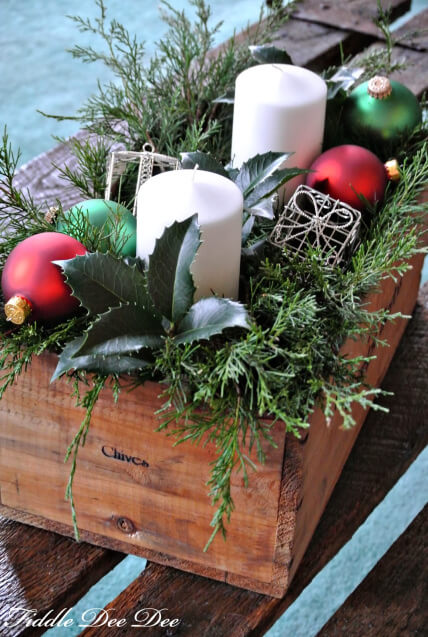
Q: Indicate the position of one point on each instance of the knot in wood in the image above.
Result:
(125, 525)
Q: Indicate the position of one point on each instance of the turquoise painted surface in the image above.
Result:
(37, 73)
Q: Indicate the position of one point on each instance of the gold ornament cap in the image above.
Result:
(17, 309)
(379, 87)
(393, 170)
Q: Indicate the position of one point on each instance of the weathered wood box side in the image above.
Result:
(136, 493)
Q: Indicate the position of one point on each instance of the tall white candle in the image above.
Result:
(279, 107)
(179, 194)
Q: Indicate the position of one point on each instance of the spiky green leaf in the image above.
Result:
(101, 281)
(268, 186)
(123, 330)
(268, 54)
(210, 316)
(257, 169)
(100, 364)
(204, 161)
(169, 279)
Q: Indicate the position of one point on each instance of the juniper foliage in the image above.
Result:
(169, 100)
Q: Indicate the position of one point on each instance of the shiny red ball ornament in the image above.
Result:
(35, 288)
(344, 172)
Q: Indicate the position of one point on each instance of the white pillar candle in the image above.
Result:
(281, 108)
(179, 194)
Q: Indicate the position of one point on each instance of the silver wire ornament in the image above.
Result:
(147, 161)
(312, 219)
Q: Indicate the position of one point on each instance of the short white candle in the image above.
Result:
(179, 194)
(280, 108)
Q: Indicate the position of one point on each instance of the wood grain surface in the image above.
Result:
(42, 570)
(352, 15)
(316, 46)
(156, 499)
(386, 446)
(133, 487)
(414, 32)
(392, 599)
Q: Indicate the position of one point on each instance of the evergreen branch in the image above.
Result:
(90, 176)
(88, 402)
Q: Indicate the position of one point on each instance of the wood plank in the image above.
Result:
(391, 600)
(317, 46)
(415, 75)
(352, 15)
(386, 446)
(45, 571)
(158, 502)
(44, 181)
(161, 510)
(322, 448)
(416, 32)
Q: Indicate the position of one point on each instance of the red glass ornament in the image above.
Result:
(30, 274)
(346, 171)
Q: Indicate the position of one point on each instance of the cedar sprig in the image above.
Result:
(88, 402)
(169, 101)
(89, 177)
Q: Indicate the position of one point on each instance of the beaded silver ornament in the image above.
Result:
(147, 160)
(312, 219)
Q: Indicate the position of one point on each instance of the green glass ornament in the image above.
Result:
(382, 108)
(100, 212)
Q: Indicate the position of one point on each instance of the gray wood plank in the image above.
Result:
(352, 15)
(45, 571)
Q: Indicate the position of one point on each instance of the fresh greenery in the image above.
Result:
(135, 310)
(272, 357)
(259, 178)
(170, 100)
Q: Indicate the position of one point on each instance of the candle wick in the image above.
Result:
(278, 68)
(194, 171)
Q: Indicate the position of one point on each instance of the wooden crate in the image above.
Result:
(135, 493)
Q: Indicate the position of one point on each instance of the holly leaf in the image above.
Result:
(123, 330)
(140, 264)
(210, 316)
(263, 209)
(270, 185)
(203, 161)
(344, 78)
(170, 281)
(247, 228)
(232, 172)
(100, 364)
(257, 169)
(268, 54)
(101, 281)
